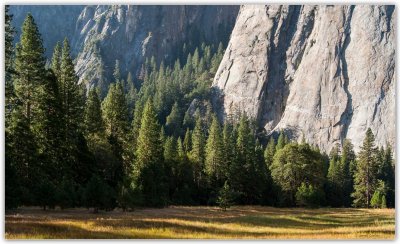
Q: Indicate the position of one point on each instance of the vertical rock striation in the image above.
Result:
(325, 72)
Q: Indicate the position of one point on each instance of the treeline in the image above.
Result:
(161, 143)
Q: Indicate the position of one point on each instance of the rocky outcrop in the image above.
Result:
(325, 72)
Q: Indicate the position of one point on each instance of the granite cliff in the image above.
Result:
(324, 73)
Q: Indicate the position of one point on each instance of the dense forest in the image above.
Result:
(156, 141)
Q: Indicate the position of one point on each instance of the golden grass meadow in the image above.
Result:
(238, 222)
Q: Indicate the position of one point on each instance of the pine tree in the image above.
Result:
(56, 60)
(93, 115)
(269, 152)
(388, 176)
(115, 114)
(281, 141)
(30, 68)
(229, 146)
(225, 196)
(214, 160)
(136, 123)
(149, 166)
(72, 96)
(131, 95)
(198, 151)
(9, 66)
(174, 121)
(187, 141)
(12, 188)
(22, 154)
(347, 160)
(117, 72)
(49, 135)
(365, 175)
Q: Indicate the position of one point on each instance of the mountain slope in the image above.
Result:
(102, 34)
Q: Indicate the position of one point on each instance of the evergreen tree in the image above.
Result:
(115, 114)
(49, 135)
(23, 156)
(93, 119)
(225, 197)
(117, 72)
(30, 68)
(388, 176)
(214, 160)
(229, 146)
(72, 96)
(9, 66)
(187, 141)
(198, 151)
(174, 121)
(56, 60)
(149, 163)
(281, 141)
(131, 95)
(366, 169)
(269, 152)
(347, 160)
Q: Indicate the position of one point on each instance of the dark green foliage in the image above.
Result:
(9, 65)
(149, 162)
(174, 121)
(29, 68)
(269, 152)
(56, 60)
(366, 172)
(127, 198)
(93, 115)
(308, 196)
(214, 161)
(45, 193)
(66, 195)
(99, 195)
(225, 196)
(296, 164)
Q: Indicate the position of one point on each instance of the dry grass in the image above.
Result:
(244, 222)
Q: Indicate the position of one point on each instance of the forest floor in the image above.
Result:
(238, 222)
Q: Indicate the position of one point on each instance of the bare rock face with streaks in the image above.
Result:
(324, 73)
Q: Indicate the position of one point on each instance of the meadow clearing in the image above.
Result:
(238, 222)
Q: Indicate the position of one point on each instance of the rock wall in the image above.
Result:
(325, 72)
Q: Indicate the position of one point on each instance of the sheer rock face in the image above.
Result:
(325, 72)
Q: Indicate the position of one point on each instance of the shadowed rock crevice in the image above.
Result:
(345, 118)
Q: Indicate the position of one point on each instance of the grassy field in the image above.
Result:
(203, 222)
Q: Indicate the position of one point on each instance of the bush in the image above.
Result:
(308, 196)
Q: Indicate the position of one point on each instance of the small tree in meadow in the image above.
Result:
(376, 200)
(224, 199)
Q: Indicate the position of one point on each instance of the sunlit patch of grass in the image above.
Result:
(244, 222)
